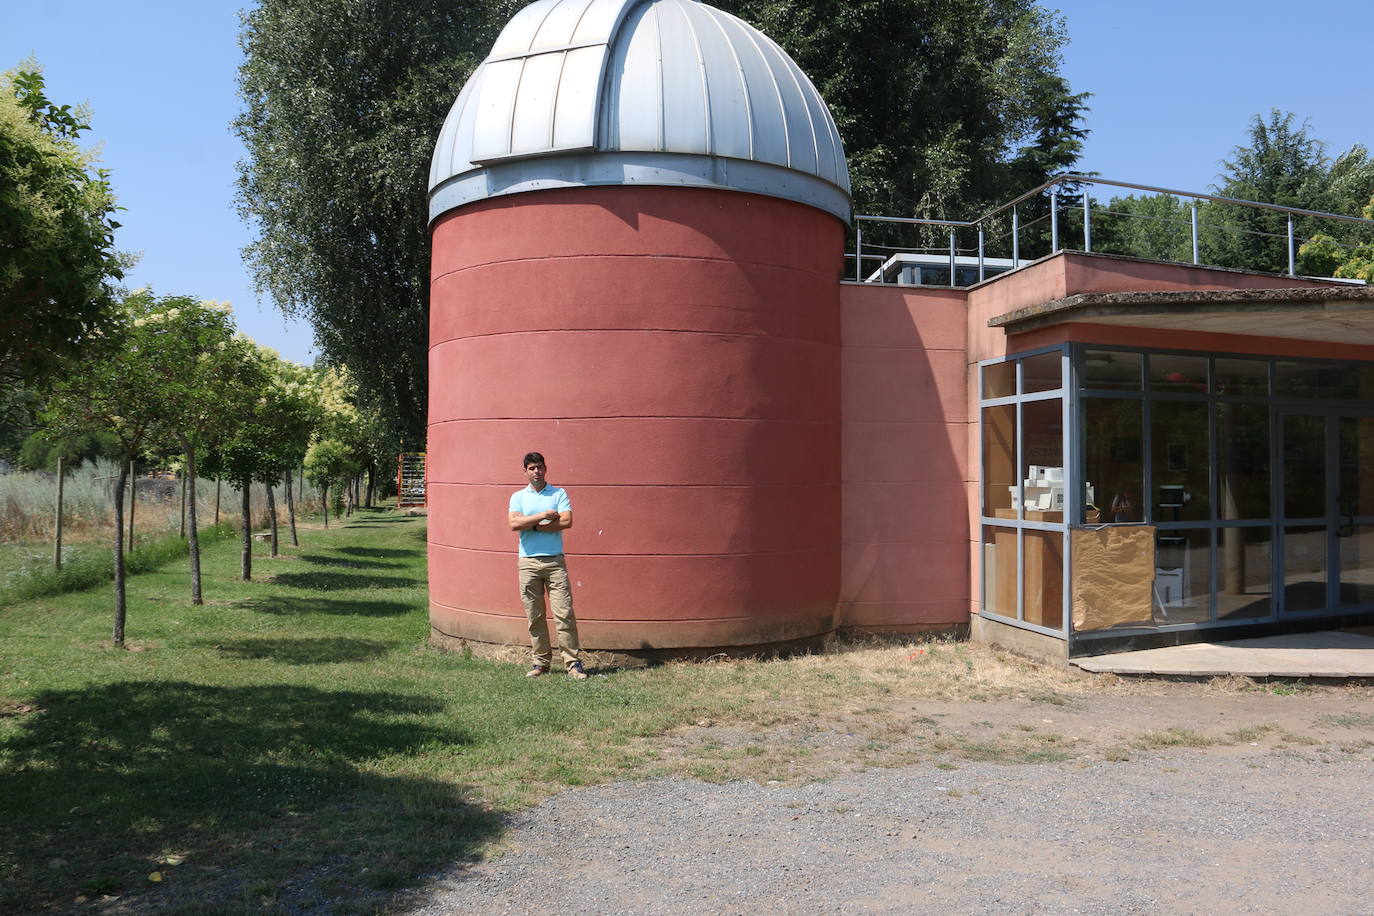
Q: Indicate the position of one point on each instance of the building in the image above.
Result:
(639, 210)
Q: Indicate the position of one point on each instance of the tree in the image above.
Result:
(115, 388)
(57, 257)
(343, 101)
(268, 436)
(1324, 256)
(328, 464)
(209, 377)
(1282, 164)
(1154, 226)
(944, 108)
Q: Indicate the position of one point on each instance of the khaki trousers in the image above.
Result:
(536, 575)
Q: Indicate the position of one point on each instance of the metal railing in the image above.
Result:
(1054, 186)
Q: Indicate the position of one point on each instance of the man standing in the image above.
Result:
(541, 513)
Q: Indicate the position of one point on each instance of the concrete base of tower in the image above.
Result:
(683, 637)
(595, 659)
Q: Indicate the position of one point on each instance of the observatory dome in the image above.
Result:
(583, 93)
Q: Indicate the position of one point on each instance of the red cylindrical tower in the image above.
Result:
(664, 327)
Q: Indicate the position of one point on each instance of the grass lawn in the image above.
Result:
(297, 744)
(295, 738)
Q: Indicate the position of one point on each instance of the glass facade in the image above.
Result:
(1251, 478)
(1024, 484)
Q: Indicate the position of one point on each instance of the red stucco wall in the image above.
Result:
(674, 353)
(905, 448)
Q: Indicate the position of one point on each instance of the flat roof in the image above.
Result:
(1330, 313)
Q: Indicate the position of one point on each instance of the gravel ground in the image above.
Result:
(1180, 832)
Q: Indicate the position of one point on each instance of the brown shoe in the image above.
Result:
(537, 670)
(575, 671)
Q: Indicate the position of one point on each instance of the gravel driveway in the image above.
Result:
(1183, 831)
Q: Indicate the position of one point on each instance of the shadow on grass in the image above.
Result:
(322, 651)
(235, 795)
(334, 581)
(334, 606)
(319, 560)
(374, 552)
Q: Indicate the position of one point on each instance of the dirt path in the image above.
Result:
(1181, 798)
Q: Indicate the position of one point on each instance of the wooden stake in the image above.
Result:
(57, 538)
(133, 501)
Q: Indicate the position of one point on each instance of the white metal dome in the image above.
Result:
(658, 92)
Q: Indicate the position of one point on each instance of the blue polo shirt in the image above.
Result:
(535, 543)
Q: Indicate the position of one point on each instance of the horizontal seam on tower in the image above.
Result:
(743, 553)
(658, 257)
(629, 417)
(657, 486)
(519, 616)
(546, 331)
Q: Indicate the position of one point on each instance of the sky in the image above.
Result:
(1174, 85)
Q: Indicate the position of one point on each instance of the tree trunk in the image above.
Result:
(291, 510)
(119, 609)
(348, 497)
(371, 485)
(272, 514)
(133, 503)
(57, 524)
(183, 505)
(246, 564)
(217, 483)
(324, 495)
(196, 596)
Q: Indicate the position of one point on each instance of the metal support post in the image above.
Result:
(1087, 222)
(1015, 239)
(1292, 259)
(1196, 258)
(951, 259)
(981, 276)
(1054, 220)
(858, 251)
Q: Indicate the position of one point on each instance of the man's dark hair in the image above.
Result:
(533, 458)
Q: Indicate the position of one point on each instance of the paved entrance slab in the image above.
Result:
(1328, 653)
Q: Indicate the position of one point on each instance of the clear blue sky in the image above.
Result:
(1173, 85)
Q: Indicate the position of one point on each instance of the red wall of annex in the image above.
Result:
(674, 353)
(905, 448)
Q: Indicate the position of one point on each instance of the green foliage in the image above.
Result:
(1282, 164)
(40, 453)
(329, 463)
(57, 257)
(1325, 256)
(943, 108)
(270, 432)
(343, 100)
(1155, 226)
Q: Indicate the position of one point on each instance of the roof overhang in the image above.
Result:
(1334, 314)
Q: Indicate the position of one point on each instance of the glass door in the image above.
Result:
(1354, 531)
(1326, 563)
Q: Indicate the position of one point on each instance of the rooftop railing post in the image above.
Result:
(1087, 222)
(858, 251)
(1015, 239)
(1196, 258)
(981, 277)
(951, 259)
(1054, 219)
(1292, 265)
